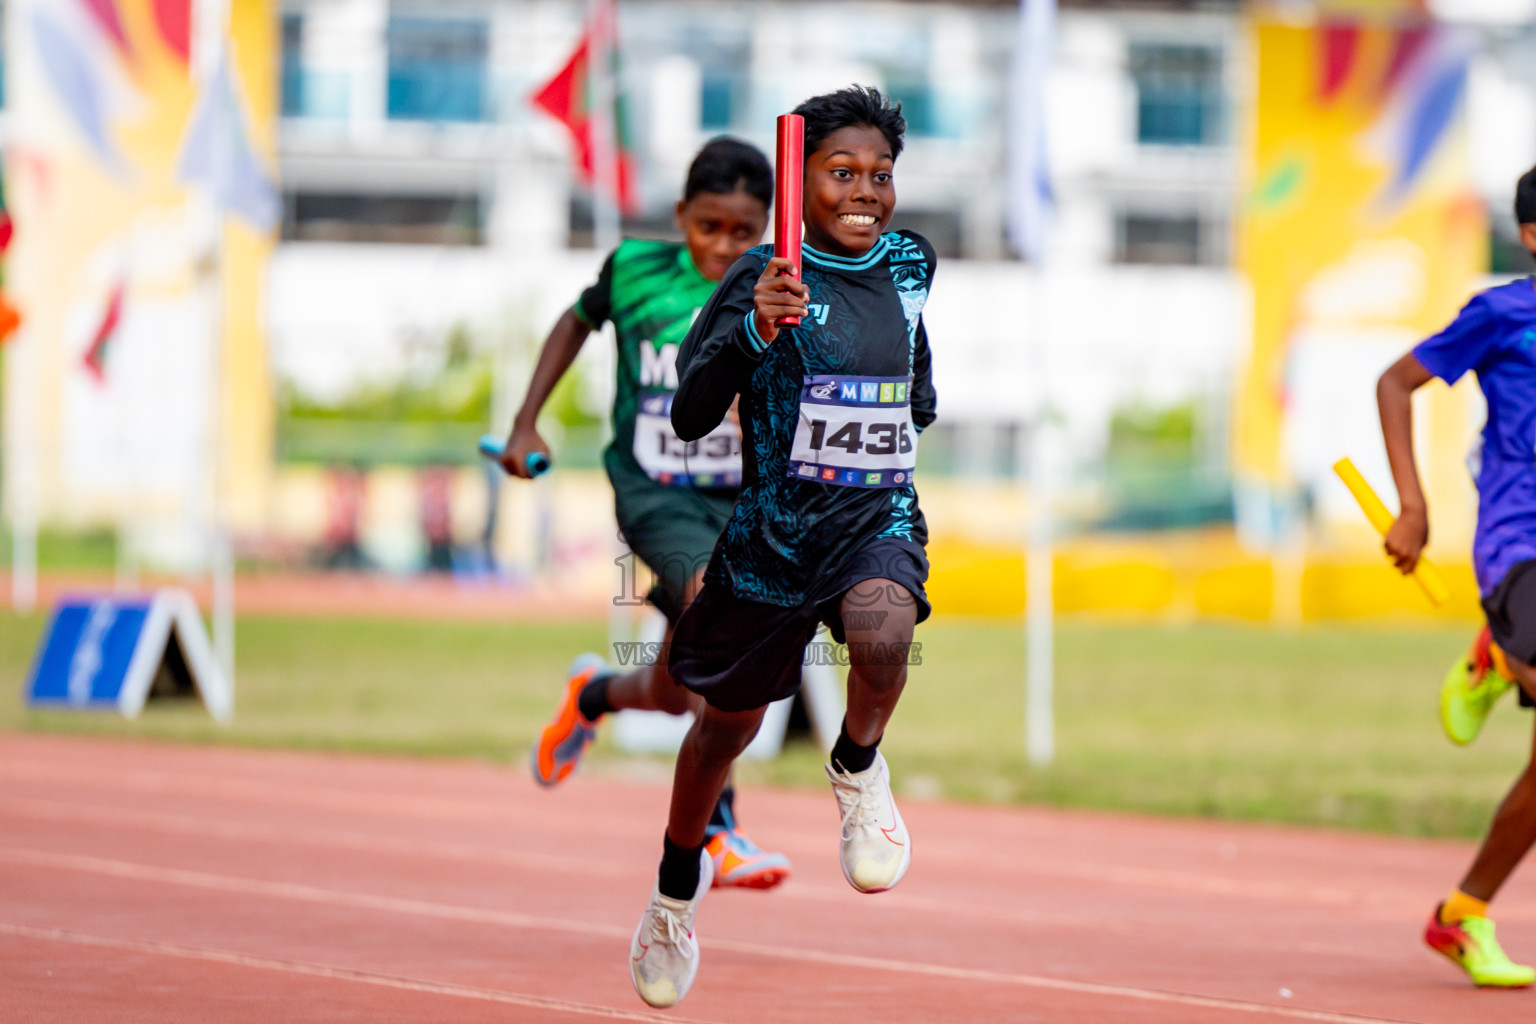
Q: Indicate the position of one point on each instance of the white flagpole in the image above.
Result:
(1029, 227)
(606, 227)
(22, 436)
(210, 31)
(1039, 585)
(24, 374)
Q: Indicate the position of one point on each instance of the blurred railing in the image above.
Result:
(373, 443)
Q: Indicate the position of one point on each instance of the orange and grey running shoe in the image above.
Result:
(564, 740)
(1470, 945)
(740, 863)
(1472, 687)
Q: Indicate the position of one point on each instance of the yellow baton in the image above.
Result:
(1428, 577)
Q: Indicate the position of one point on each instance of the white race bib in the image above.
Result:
(712, 461)
(855, 432)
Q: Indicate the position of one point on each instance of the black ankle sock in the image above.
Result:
(592, 701)
(678, 876)
(725, 811)
(848, 756)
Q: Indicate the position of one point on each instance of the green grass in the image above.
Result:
(1328, 726)
(68, 551)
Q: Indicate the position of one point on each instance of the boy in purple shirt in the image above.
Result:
(1495, 337)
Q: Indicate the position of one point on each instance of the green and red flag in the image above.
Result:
(570, 96)
(10, 317)
(106, 332)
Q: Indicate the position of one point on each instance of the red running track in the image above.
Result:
(158, 883)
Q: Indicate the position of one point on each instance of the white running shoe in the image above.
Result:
(876, 848)
(664, 955)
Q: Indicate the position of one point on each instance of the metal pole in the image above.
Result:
(209, 60)
(1039, 584)
(606, 226)
(1030, 217)
(24, 380)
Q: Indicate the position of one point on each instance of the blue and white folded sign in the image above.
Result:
(116, 652)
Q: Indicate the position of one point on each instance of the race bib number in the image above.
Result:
(712, 461)
(855, 432)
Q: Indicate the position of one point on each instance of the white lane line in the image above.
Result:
(256, 790)
(315, 835)
(304, 893)
(587, 866)
(410, 808)
(427, 908)
(329, 972)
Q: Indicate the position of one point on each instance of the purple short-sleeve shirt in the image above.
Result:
(1494, 337)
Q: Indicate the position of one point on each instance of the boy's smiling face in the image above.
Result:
(849, 191)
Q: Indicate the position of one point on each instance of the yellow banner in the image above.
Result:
(1360, 233)
(140, 172)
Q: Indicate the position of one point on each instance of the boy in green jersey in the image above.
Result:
(671, 498)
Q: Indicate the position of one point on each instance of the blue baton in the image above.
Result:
(491, 447)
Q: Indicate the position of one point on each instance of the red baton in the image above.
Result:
(789, 165)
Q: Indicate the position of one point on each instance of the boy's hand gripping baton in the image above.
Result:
(789, 168)
(491, 447)
(1424, 572)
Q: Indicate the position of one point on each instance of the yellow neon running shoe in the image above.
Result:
(1470, 945)
(1471, 688)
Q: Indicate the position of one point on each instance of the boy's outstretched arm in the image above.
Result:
(565, 340)
(1394, 397)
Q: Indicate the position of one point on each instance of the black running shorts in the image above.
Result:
(1511, 612)
(739, 654)
(675, 541)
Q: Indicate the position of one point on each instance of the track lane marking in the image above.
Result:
(241, 831)
(233, 831)
(303, 893)
(333, 973)
(414, 807)
(428, 908)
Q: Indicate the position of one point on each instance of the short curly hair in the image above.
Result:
(858, 106)
(727, 165)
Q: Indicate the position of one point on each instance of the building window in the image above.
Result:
(724, 51)
(4, 49)
(293, 64)
(1506, 254)
(437, 69)
(942, 228)
(718, 97)
(1178, 94)
(1167, 240)
(383, 218)
(916, 100)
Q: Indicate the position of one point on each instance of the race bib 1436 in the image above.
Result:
(855, 432)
